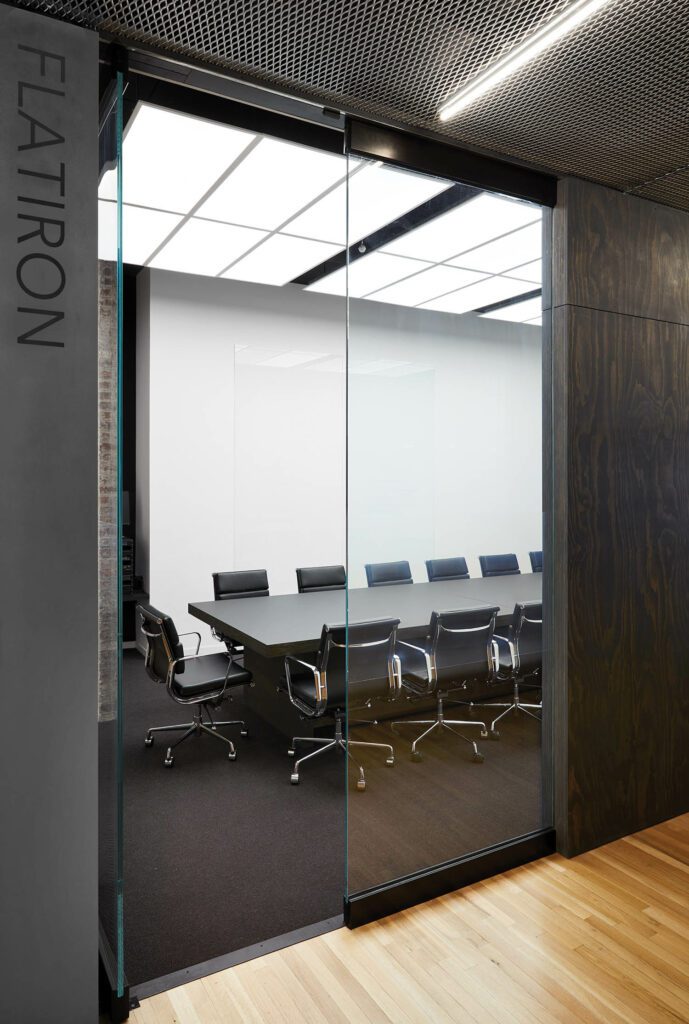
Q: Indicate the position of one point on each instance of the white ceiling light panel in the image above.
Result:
(485, 293)
(367, 274)
(426, 285)
(504, 253)
(377, 196)
(279, 259)
(205, 247)
(518, 312)
(274, 181)
(142, 231)
(528, 272)
(473, 223)
(170, 160)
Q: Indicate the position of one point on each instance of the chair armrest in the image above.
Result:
(411, 655)
(504, 654)
(193, 633)
(320, 688)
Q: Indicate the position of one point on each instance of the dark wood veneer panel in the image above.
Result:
(628, 574)
(620, 253)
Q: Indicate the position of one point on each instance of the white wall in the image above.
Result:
(241, 464)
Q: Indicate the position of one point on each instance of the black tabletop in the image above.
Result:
(290, 623)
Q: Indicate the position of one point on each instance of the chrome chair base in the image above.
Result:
(440, 722)
(198, 727)
(337, 742)
(516, 704)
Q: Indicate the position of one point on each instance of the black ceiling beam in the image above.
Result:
(451, 197)
(447, 161)
(504, 303)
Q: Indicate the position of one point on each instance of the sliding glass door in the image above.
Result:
(444, 525)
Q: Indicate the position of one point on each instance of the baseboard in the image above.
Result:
(240, 956)
(112, 1006)
(372, 904)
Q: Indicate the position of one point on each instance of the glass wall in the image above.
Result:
(444, 467)
(110, 514)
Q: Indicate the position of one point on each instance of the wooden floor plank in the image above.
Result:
(600, 939)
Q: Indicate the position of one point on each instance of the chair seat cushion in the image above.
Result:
(206, 674)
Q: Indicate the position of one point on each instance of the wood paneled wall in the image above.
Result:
(620, 375)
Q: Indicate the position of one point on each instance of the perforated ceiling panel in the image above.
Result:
(609, 102)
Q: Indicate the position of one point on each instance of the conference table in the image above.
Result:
(271, 627)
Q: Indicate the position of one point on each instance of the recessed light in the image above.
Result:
(546, 36)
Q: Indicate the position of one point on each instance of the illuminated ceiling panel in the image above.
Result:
(518, 312)
(367, 274)
(205, 247)
(431, 282)
(142, 231)
(492, 289)
(504, 253)
(279, 259)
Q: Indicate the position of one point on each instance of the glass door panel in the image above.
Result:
(444, 467)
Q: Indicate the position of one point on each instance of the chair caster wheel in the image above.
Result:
(232, 756)
(290, 753)
(294, 779)
(389, 760)
(244, 732)
(416, 755)
(361, 784)
(484, 734)
(148, 742)
(169, 761)
(478, 758)
(494, 734)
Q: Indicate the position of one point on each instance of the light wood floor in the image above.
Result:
(602, 938)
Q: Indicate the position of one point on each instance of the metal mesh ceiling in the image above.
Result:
(609, 102)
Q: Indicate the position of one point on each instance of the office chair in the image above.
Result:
(440, 569)
(352, 667)
(387, 574)
(499, 565)
(321, 577)
(230, 586)
(536, 561)
(457, 650)
(520, 656)
(204, 681)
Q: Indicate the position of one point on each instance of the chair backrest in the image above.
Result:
(499, 565)
(321, 577)
(536, 561)
(460, 645)
(164, 645)
(228, 586)
(358, 661)
(439, 569)
(526, 632)
(386, 574)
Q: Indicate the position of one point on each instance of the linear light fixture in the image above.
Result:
(546, 36)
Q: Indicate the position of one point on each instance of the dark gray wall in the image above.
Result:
(621, 443)
(48, 521)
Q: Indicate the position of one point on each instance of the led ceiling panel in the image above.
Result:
(142, 231)
(504, 253)
(205, 247)
(473, 223)
(367, 274)
(426, 285)
(377, 196)
(528, 272)
(485, 293)
(170, 160)
(272, 183)
(518, 312)
(281, 258)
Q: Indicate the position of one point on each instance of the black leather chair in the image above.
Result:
(440, 569)
(536, 561)
(520, 655)
(202, 681)
(230, 586)
(499, 565)
(352, 668)
(321, 577)
(457, 651)
(387, 574)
